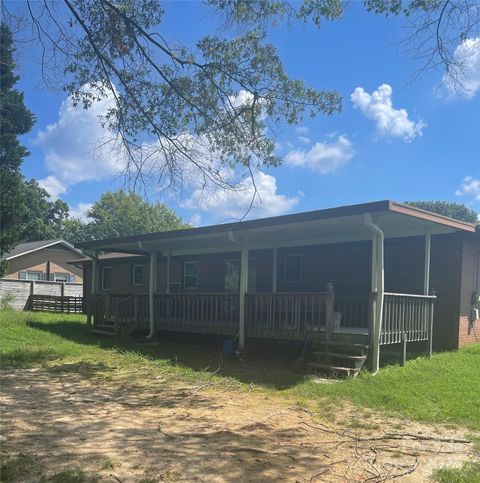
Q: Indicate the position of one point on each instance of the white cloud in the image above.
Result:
(302, 130)
(227, 204)
(389, 121)
(470, 187)
(53, 185)
(80, 210)
(464, 77)
(304, 139)
(324, 158)
(78, 148)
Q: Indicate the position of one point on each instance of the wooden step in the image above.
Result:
(341, 355)
(337, 343)
(349, 371)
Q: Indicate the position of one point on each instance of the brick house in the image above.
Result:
(360, 274)
(44, 260)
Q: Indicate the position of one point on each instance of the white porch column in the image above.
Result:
(152, 282)
(243, 291)
(426, 273)
(93, 290)
(378, 284)
(168, 272)
(274, 269)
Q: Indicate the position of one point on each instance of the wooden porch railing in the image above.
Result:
(198, 312)
(355, 310)
(289, 315)
(407, 318)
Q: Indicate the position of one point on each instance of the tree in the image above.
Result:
(180, 114)
(15, 120)
(121, 213)
(453, 210)
(44, 218)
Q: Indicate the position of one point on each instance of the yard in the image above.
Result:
(79, 408)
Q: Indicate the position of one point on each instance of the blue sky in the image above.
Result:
(394, 138)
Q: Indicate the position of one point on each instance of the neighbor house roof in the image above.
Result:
(420, 219)
(24, 248)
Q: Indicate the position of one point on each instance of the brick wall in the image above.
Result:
(470, 283)
(21, 290)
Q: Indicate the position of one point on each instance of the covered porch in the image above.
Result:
(277, 298)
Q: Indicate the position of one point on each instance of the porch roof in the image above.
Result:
(332, 225)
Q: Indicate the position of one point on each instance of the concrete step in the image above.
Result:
(348, 371)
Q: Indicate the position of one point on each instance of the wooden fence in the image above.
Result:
(55, 303)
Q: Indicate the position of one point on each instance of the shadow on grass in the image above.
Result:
(266, 364)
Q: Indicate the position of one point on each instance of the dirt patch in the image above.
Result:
(166, 431)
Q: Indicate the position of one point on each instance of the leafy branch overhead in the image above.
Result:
(181, 114)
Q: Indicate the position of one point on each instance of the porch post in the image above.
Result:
(426, 273)
(93, 291)
(380, 296)
(168, 272)
(151, 293)
(274, 269)
(378, 283)
(243, 291)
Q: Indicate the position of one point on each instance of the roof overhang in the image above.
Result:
(333, 225)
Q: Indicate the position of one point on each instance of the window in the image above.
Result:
(61, 277)
(137, 275)
(31, 275)
(231, 276)
(106, 278)
(292, 268)
(190, 275)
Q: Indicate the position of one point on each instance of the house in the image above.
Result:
(352, 279)
(44, 260)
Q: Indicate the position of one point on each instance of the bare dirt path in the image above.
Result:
(166, 431)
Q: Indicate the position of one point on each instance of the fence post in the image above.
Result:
(329, 311)
(403, 353)
(430, 334)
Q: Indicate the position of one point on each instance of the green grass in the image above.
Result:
(443, 389)
(468, 473)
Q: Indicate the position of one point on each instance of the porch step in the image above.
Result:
(336, 343)
(348, 371)
(341, 355)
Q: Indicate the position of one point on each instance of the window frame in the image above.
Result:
(67, 276)
(291, 256)
(103, 277)
(134, 266)
(185, 276)
(27, 272)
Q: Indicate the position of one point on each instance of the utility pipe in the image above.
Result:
(378, 252)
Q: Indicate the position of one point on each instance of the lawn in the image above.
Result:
(443, 389)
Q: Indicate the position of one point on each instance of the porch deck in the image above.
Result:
(315, 316)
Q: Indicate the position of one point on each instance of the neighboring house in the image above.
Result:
(360, 274)
(44, 260)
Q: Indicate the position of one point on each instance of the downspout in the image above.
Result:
(378, 238)
(151, 290)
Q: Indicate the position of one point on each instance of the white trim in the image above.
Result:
(133, 275)
(63, 242)
(184, 275)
